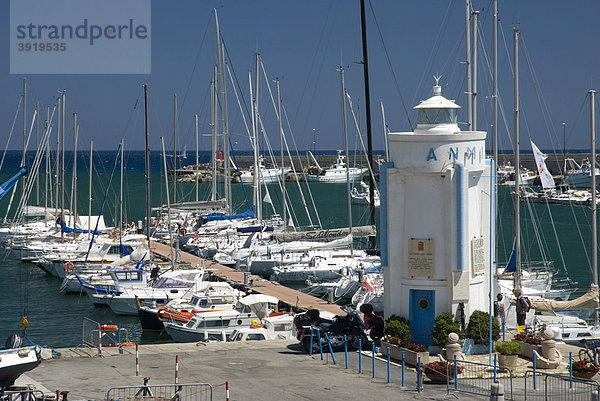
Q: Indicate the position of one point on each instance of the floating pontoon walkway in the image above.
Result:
(284, 294)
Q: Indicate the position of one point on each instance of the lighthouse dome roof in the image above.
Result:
(437, 101)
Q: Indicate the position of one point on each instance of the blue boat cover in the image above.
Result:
(66, 229)
(254, 229)
(511, 267)
(221, 216)
(7, 186)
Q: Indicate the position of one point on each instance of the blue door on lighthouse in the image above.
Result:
(422, 314)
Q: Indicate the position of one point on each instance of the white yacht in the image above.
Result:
(337, 172)
(580, 175)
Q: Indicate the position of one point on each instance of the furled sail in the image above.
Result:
(361, 231)
(589, 300)
(7, 186)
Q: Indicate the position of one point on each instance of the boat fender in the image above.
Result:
(69, 267)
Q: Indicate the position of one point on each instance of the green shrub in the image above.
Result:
(508, 348)
(479, 328)
(398, 318)
(443, 325)
(398, 329)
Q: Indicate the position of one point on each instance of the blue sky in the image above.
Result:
(303, 43)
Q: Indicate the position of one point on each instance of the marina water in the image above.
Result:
(55, 318)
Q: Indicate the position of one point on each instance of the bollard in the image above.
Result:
(346, 350)
(137, 360)
(534, 383)
(419, 374)
(359, 355)
(388, 364)
(330, 350)
(320, 343)
(176, 369)
(402, 368)
(227, 391)
(119, 339)
(373, 359)
(495, 369)
(497, 392)
(570, 370)
(311, 341)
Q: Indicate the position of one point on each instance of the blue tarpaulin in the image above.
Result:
(221, 216)
(7, 186)
(512, 262)
(66, 229)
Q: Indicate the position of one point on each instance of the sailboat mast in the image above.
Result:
(62, 160)
(174, 148)
(164, 157)
(37, 146)
(74, 197)
(517, 164)
(24, 121)
(468, 64)
(282, 158)
(474, 73)
(90, 191)
(147, 165)
(196, 129)
(594, 211)
(121, 225)
(363, 22)
(345, 125)
(257, 172)
(495, 119)
(213, 119)
(47, 175)
(385, 131)
(223, 86)
(57, 161)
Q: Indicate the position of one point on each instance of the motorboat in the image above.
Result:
(579, 175)
(170, 285)
(16, 359)
(209, 296)
(337, 172)
(363, 197)
(219, 325)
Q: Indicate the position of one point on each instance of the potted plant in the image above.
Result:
(585, 369)
(397, 334)
(443, 325)
(528, 344)
(478, 331)
(508, 353)
(438, 371)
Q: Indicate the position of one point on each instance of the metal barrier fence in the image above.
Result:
(548, 386)
(161, 392)
(477, 378)
(21, 395)
(90, 336)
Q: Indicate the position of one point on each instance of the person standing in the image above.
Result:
(522, 308)
(499, 309)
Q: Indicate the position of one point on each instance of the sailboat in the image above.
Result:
(551, 194)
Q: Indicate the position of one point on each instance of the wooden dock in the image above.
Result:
(284, 294)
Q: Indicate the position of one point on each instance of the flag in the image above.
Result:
(540, 161)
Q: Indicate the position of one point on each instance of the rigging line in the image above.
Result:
(435, 48)
(389, 62)
(313, 62)
(314, 206)
(195, 64)
(103, 201)
(239, 172)
(11, 131)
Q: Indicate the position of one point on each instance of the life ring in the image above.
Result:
(196, 236)
(69, 267)
(109, 327)
(182, 231)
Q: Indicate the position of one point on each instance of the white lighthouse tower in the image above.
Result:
(436, 214)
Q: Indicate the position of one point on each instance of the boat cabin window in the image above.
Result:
(437, 116)
(132, 275)
(255, 337)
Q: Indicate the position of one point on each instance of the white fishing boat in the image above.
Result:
(219, 326)
(171, 285)
(336, 172)
(267, 175)
(579, 175)
(15, 359)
